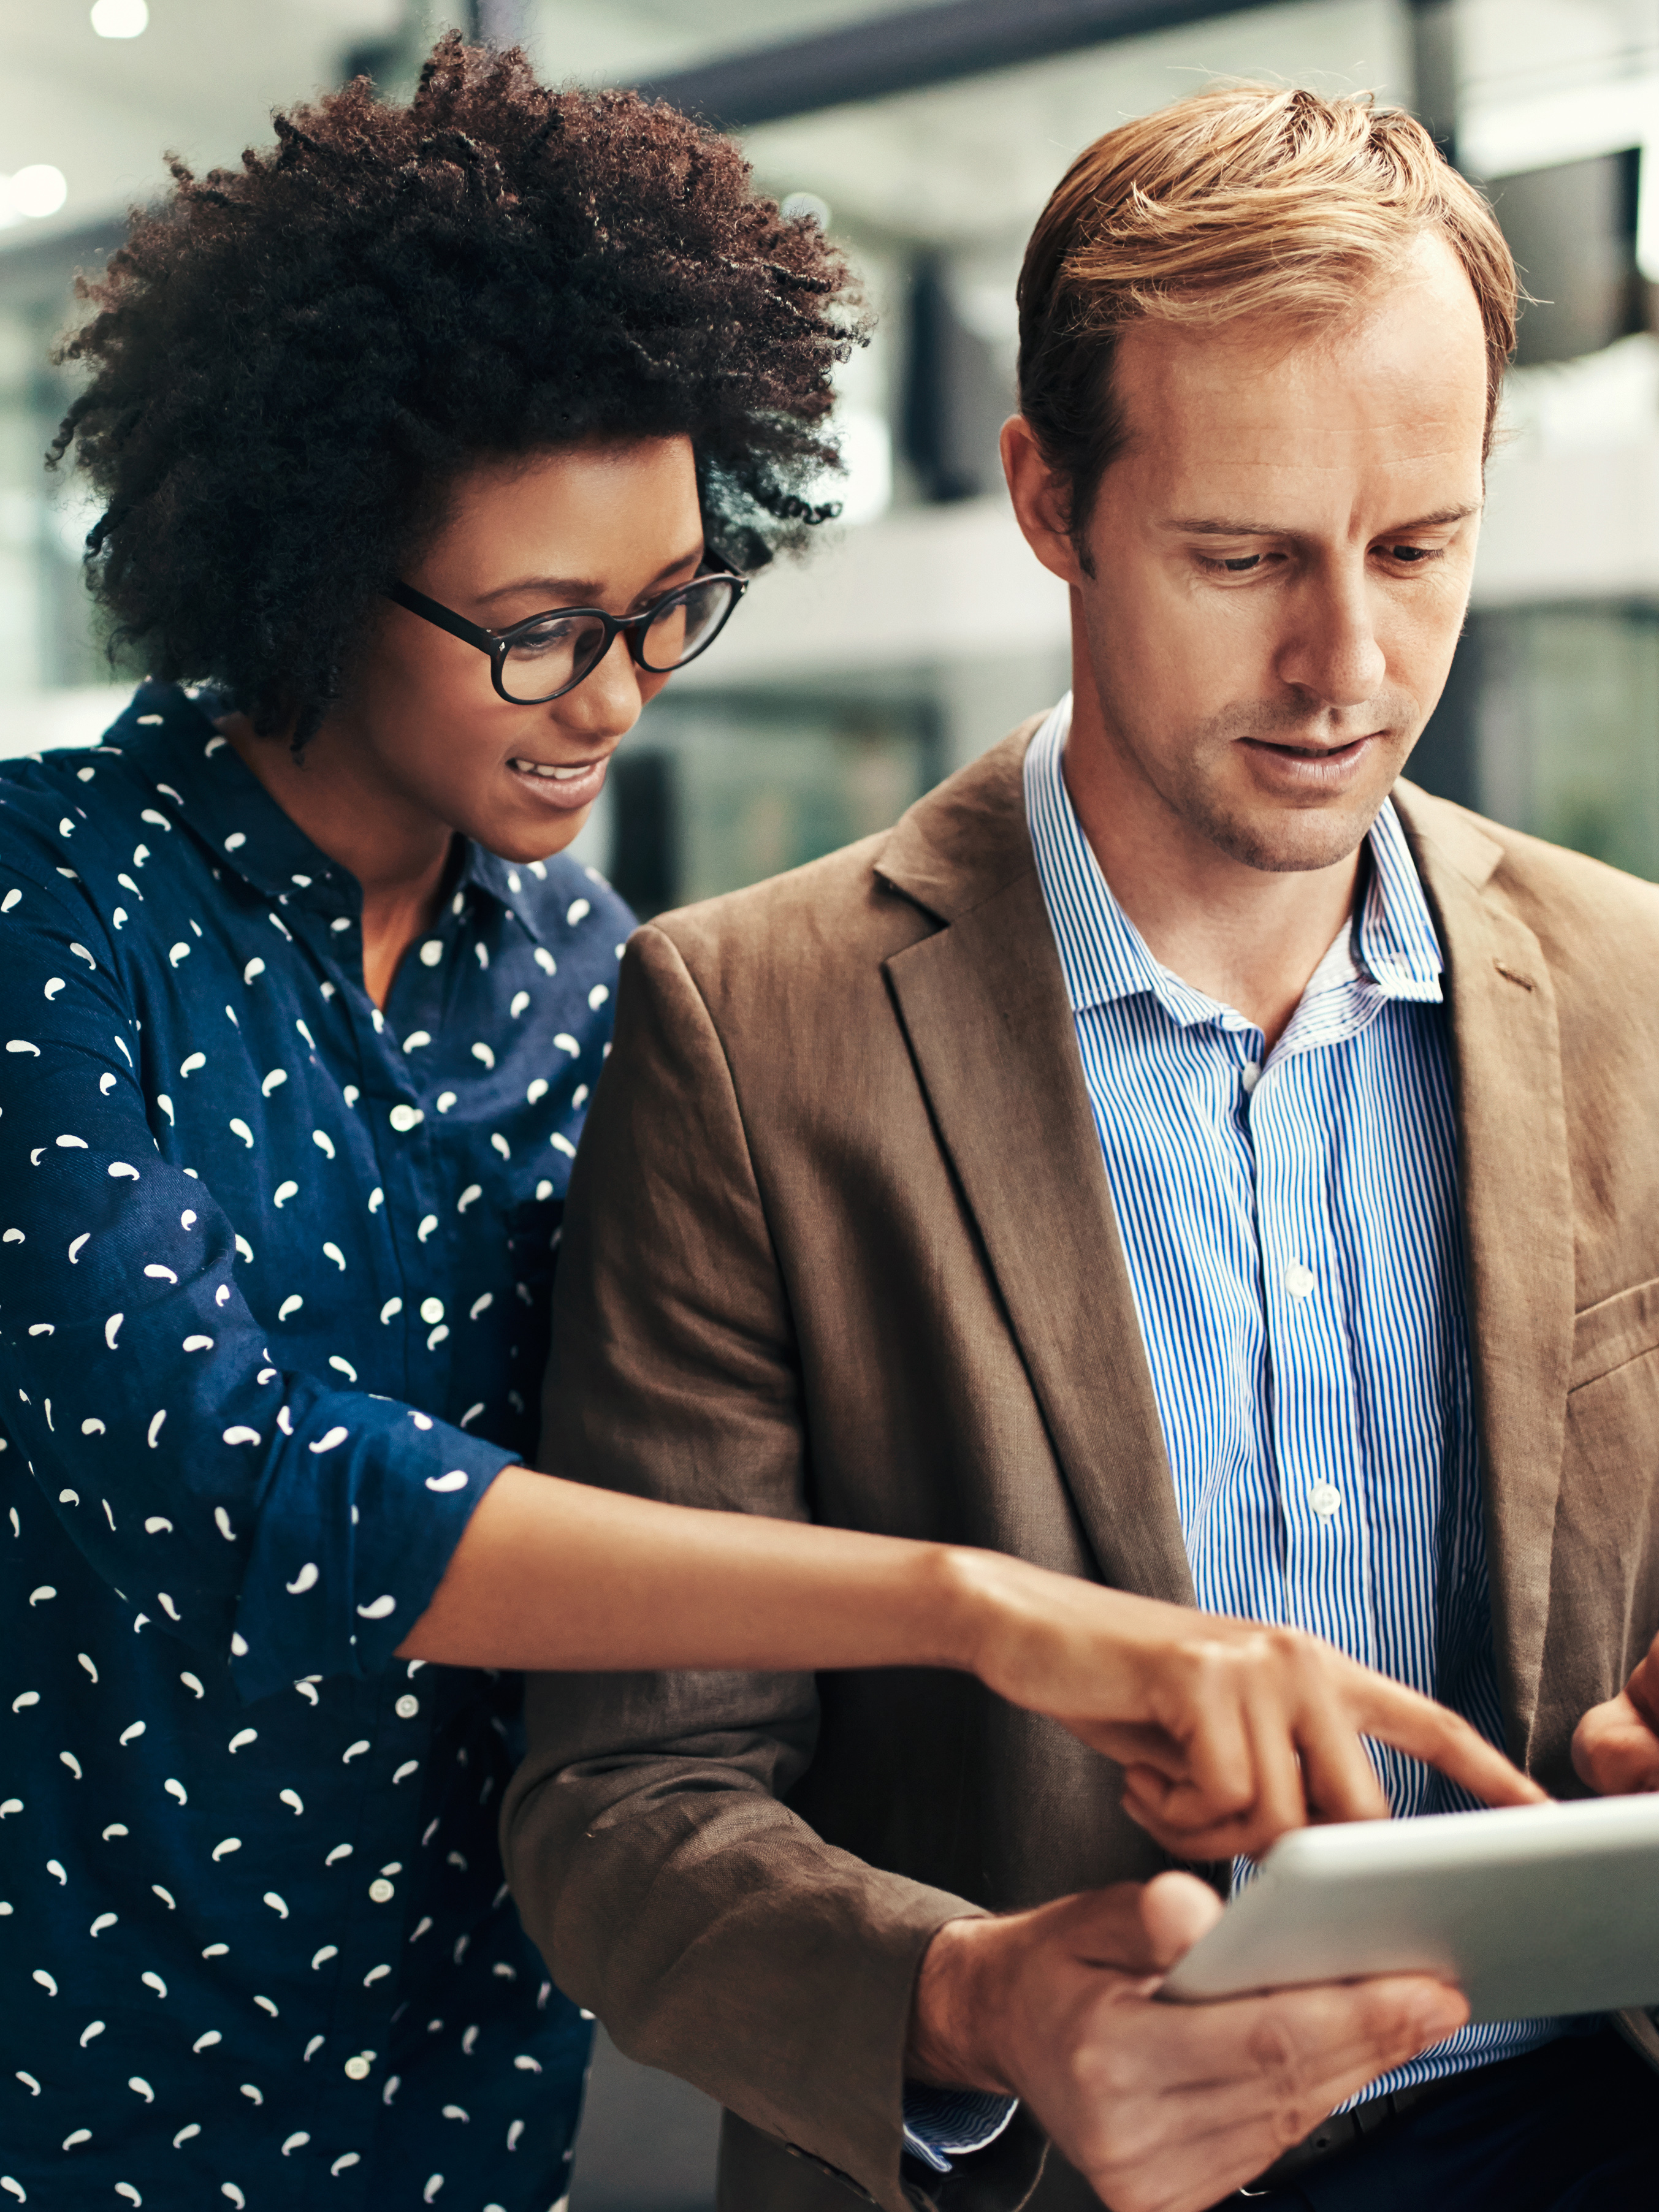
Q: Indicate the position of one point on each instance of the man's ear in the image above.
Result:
(1040, 504)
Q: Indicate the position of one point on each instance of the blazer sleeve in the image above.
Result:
(669, 1888)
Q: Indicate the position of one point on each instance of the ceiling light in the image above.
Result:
(38, 190)
(120, 19)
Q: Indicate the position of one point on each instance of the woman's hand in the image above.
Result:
(1229, 1732)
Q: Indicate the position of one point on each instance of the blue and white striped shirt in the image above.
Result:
(1290, 1224)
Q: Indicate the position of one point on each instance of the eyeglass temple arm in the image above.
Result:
(457, 625)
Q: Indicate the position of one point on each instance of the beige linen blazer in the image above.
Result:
(840, 1246)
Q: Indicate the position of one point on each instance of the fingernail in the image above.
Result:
(1433, 2022)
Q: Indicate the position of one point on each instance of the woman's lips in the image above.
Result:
(553, 784)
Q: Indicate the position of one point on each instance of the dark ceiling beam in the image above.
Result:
(903, 53)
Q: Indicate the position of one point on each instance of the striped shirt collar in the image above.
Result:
(1392, 948)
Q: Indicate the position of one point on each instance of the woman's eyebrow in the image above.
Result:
(581, 591)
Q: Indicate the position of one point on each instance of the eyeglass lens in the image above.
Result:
(555, 653)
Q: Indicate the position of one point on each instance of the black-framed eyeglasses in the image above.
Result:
(548, 654)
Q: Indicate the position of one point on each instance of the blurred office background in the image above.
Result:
(926, 139)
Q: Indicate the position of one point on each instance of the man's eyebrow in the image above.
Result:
(579, 591)
(1215, 525)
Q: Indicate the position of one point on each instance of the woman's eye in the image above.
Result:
(1411, 554)
(546, 637)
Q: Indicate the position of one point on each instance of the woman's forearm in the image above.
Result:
(1228, 1732)
(555, 1576)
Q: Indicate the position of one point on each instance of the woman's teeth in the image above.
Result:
(559, 775)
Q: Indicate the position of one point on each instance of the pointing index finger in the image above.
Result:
(1442, 1739)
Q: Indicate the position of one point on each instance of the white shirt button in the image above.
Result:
(382, 1892)
(431, 952)
(1250, 1075)
(406, 1707)
(405, 1118)
(431, 1310)
(1298, 1280)
(1325, 1498)
(358, 2069)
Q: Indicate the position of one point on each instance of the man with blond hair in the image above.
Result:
(1179, 1153)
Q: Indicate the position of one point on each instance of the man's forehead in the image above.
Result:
(1403, 396)
(1414, 348)
(1191, 490)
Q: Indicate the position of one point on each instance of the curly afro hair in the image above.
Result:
(290, 363)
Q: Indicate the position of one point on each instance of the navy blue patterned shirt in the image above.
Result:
(274, 1280)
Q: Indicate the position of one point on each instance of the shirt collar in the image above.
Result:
(167, 734)
(1392, 946)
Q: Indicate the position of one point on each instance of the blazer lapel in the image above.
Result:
(1516, 1190)
(984, 1010)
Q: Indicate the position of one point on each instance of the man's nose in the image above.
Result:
(1331, 653)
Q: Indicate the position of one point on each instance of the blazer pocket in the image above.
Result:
(1614, 1332)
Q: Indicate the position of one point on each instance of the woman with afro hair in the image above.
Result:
(428, 445)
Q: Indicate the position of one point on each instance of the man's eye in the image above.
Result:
(1239, 565)
(1413, 553)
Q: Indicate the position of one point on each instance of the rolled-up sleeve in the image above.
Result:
(284, 1524)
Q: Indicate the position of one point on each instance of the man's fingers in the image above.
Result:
(1276, 2066)
(1442, 1739)
(1302, 2046)
(1176, 1909)
(1615, 1751)
(1643, 1687)
(1204, 2097)
(1311, 2036)
(1133, 1928)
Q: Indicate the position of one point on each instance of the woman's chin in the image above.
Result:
(511, 837)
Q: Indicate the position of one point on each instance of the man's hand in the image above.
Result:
(1615, 1747)
(1229, 1731)
(1162, 2107)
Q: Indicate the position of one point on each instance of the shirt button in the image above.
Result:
(405, 1118)
(1298, 1280)
(1325, 1498)
(406, 1707)
(358, 2069)
(382, 1892)
(1250, 1075)
(431, 1308)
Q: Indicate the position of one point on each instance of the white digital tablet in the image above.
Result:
(1532, 1910)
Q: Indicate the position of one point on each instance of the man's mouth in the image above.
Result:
(1344, 751)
